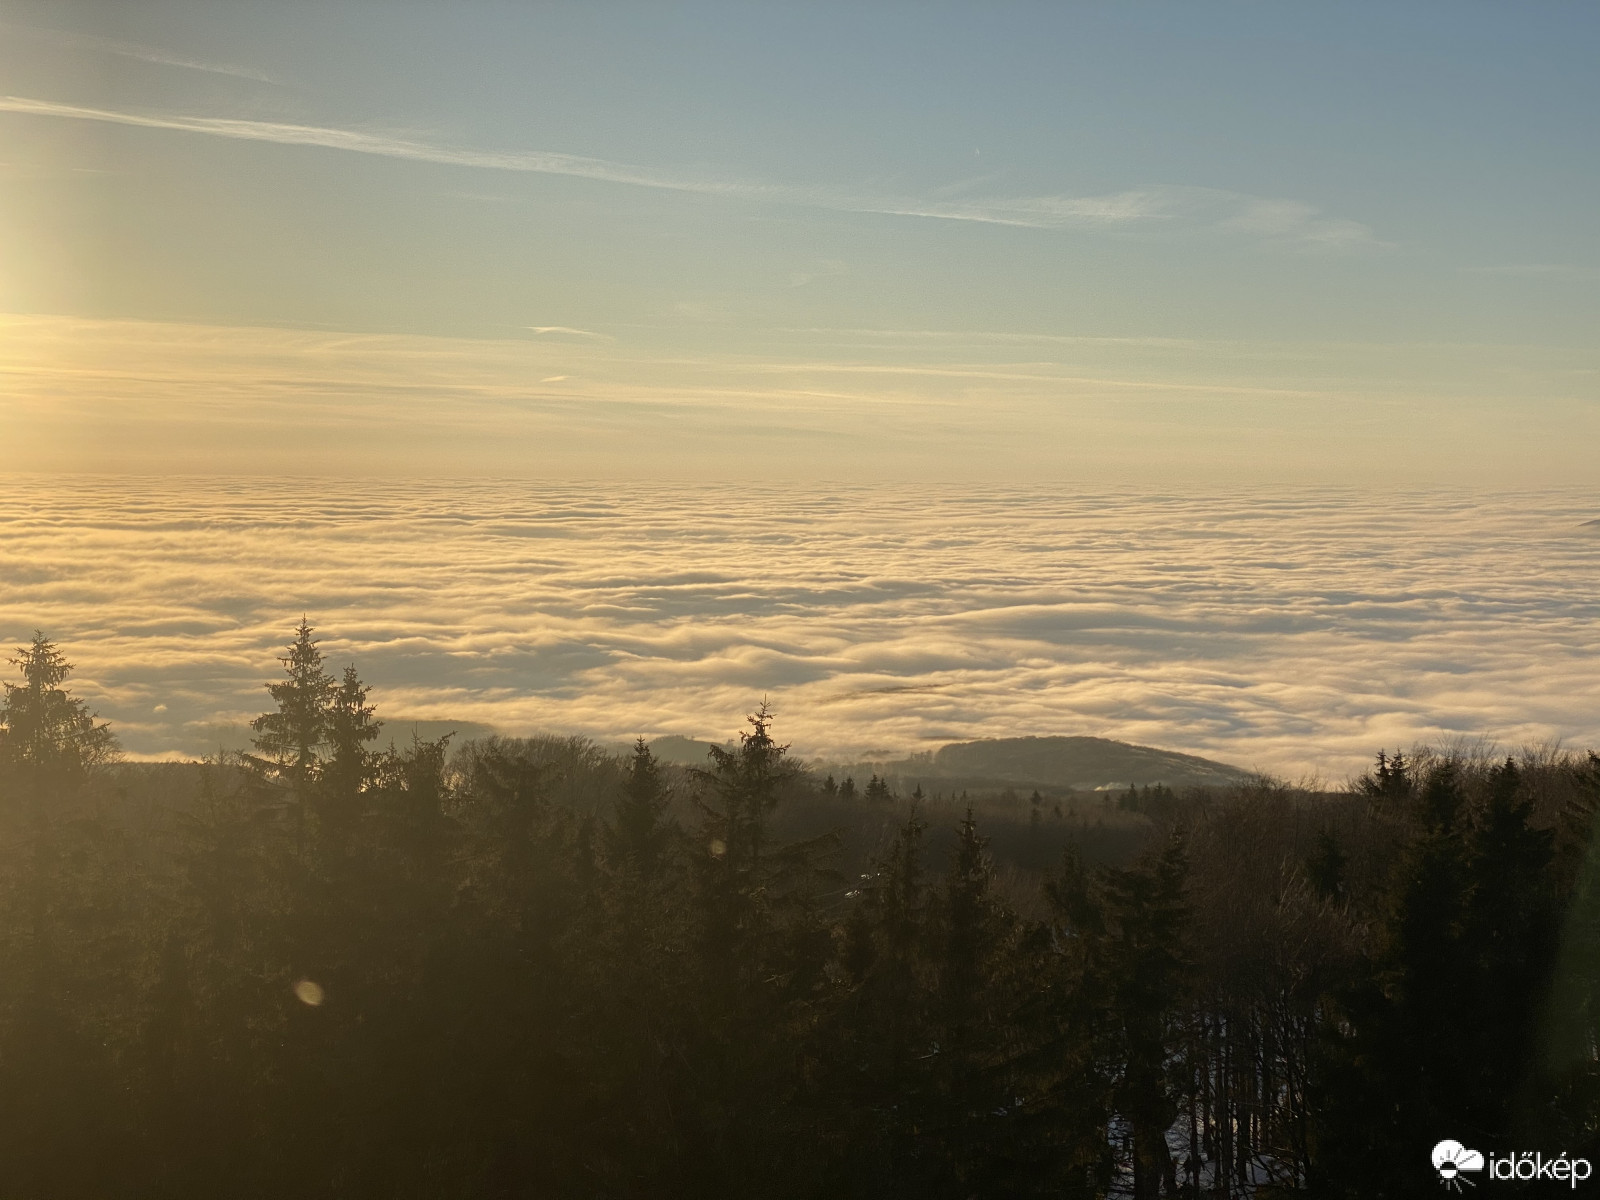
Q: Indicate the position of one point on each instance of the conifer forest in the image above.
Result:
(351, 964)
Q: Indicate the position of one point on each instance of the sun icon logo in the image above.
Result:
(1451, 1159)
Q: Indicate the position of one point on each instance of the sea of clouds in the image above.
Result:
(1291, 631)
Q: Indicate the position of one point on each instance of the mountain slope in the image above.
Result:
(1077, 762)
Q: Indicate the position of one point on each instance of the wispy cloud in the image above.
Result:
(1288, 223)
(1042, 212)
(360, 142)
(568, 331)
(149, 54)
(133, 395)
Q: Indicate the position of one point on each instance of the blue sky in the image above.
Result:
(990, 237)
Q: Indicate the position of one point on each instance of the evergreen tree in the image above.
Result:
(1509, 934)
(761, 954)
(1570, 1025)
(350, 768)
(1148, 973)
(1390, 783)
(972, 1011)
(1392, 1068)
(972, 927)
(291, 738)
(1444, 1034)
(43, 728)
(639, 832)
(738, 880)
(67, 893)
(1071, 1030)
(881, 1038)
(741, 789)
(413, 797)
(1127, 929)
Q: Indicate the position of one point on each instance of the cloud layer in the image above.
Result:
(1295, 631)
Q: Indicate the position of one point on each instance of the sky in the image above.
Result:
(1211, 243)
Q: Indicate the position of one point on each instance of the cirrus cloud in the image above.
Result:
(1274, 221)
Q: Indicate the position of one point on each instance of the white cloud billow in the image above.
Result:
(1293, 631)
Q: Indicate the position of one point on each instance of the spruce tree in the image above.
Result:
(1570, 1025)
(972, 1011)
(1123, 932)
(290, 739)
(1148, 975)
(1509, 932)
(761, 951)
(637, 836)
(1395, 1066)
(1389, 785)
(350, 768)
(43, 728)
(971, 928)
(881, 1040)
(64, 948)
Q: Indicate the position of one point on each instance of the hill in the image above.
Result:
(685, 752)
(1080, 763)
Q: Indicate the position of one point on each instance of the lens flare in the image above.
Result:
(309, 993)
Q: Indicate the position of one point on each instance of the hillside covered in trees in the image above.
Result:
(1073, 763)
(340, 967)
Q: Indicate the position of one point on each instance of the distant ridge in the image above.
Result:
(686, 752)
(1083, 763)
(1080, 763)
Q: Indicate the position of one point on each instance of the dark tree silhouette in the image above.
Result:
(43, 728)
(529, 966)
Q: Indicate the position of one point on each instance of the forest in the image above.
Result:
(342, 965)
